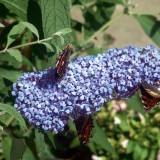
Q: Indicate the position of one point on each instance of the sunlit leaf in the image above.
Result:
(96, 18)
(150, 25)
(116, 1)
(1, 25)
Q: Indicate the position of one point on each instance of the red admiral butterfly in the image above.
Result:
(150, 95)
(84, 125)
(62, 61)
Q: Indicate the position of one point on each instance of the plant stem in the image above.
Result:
(100, 30)
(27, 44)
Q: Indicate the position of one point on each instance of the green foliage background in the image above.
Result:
(32, 32)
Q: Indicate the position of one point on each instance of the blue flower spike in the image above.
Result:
(88, 83)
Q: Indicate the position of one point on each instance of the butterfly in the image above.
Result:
(84, 125)
(150, 95)
(63, 60)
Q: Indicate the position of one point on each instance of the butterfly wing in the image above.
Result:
(63, 60)
(150, 95)
(84, 125)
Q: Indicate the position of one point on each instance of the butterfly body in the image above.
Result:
(84, 125)
(150, 95)
(63, 60)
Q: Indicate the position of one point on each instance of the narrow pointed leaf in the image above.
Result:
(55, 16)
(5, 73)
(135, 103)
(18, 29)
(100, 139)
(48, 46)
(150, 25)
(18, 7)
(63, 31)
(14, 33)
(12, 111)
(40, 144)
(1, 25)
(17, 149)
(31, 27)
(16, 54)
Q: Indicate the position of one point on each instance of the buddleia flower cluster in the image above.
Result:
(89, 82)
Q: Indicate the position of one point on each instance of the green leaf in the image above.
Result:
(144, 153)
(6, 73)
(50, 136)
(136, 103)
(14, 33)
(18, 29)
(6, 146)
(28, 154)
(137, 152)
(53, 56)
(101, 139)
(109, 1)
(40, 144)
(158, 139)
(58, 18)
(152, 155)
(17, 149)
(13, 62)
(31, 27)
(48, 46)
(150, 25)
(116, 1)
(2, 86)
(72, 128)
(26, 61)
(16, 54)
(62, 40)
(95, 19)
(12, 111)
(63, 31)
(1, 25)
(18, 7)
(130, 146)
(5, 86)
(123, 125)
